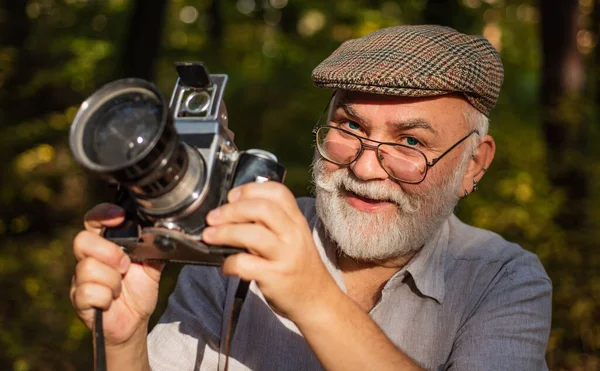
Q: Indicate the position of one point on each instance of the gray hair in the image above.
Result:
(476, 120)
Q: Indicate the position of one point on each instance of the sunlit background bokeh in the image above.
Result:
(539, 192)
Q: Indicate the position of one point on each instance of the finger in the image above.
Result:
(254, 237)
(92, 295)
(72, 290)
(90, 270)
(103, 215)
(88, 244)
(271, 191)
(246, 266)
(261, 211)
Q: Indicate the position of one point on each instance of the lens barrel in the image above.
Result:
(125, 133)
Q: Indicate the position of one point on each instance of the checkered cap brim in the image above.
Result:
(416, 61)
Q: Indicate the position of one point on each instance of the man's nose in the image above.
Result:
(367, 166)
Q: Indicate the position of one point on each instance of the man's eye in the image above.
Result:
(353, 125)
(412, 141)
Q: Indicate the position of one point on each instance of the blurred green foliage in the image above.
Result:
(55, 53)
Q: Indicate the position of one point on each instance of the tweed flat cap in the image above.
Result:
(416, 61)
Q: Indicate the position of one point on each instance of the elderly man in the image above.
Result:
(376, 273)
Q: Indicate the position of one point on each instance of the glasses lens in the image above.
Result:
(403, 163)
(337, 146)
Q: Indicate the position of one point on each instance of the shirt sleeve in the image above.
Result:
(510, 326)
(187, 336)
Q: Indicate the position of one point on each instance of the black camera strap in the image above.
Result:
(98, 340)
(122, 199)
(236, 309)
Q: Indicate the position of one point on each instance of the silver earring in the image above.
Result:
(484, 169)
(475, 187)
(466, 195)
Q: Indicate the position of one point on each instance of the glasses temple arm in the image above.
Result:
(435, 160)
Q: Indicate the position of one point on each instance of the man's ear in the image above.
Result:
(478, 165)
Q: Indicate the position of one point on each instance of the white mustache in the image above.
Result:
(342, 179)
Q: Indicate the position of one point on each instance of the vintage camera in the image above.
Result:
(173, 163)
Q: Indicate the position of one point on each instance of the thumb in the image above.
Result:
(103, 215)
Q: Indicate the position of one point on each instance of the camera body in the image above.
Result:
(173, 163)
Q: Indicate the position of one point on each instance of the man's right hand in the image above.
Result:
(106, 278)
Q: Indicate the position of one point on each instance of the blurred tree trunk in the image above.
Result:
(143, 41)
(596, 22)
(448, 13)
(216, 23)
(565, 124)
(16, 26)
(214, 33)
(562, 105)
(14, 34)
(440, 12)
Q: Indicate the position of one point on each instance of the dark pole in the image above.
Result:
(561, 96)
(143, 41)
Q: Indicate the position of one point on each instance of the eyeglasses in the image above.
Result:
(401, 162)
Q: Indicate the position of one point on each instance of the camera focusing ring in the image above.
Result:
(168, 171)
(187, 191)
(152, 175)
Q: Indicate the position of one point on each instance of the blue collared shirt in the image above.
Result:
(469, 300)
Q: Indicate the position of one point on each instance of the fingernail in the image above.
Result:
(113, 212)
(208, 232)
(124, 264)
(234, 194)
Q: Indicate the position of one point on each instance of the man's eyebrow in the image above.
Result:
(413, 124)
(348, 109)
(416, 123)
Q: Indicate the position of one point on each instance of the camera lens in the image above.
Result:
(121, 131)
(124, 132)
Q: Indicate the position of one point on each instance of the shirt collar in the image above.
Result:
(427, 266)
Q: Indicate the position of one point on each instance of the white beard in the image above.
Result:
(380, 236)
